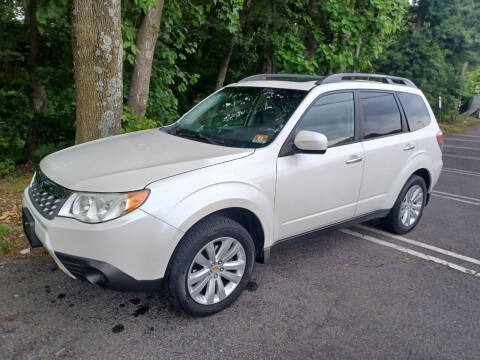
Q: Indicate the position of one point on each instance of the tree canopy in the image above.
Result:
(177, 52)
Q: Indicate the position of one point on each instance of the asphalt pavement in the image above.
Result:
(358, 293)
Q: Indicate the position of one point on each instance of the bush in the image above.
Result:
(130, 122)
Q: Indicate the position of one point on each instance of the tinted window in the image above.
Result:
(332, 115)
(381, 114)
(416, 111)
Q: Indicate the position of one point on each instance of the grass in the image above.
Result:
(405, 260)
(459, 126)
(4, 229)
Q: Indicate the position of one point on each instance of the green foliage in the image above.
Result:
(130, 122)
(130, 50)
(144, 4)
(472, 82)
(14, 116)
(290, 55)
(49, 148)
(52, 10)
(7, 165)
(4, 229)
(433, 57)
(294, 36)
(347, 35)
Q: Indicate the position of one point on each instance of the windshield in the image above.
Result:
(248, 117)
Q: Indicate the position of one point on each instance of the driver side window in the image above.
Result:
(332, 115)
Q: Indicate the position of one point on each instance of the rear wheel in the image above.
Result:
(408, 209)
(211, 266)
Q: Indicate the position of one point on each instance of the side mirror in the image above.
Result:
(311, 142)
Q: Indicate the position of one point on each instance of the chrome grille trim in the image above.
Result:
(47, 196)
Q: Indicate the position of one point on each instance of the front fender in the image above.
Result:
(213, 198)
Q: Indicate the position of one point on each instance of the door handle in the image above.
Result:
(353, 160)
(409, 147)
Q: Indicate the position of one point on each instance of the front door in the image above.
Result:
(317, 190)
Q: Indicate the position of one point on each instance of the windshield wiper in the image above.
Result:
(198, 137)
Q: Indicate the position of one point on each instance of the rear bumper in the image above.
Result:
(105, 275)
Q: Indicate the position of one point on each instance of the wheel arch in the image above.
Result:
(419, 165)
(250, 221)
(425, 175)
(244, 217)
(242, 202)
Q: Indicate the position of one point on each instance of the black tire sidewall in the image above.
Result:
(394, 221)
(196, 240)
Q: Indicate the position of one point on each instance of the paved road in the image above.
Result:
(341, 296)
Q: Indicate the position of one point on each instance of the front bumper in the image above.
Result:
(105, 275)
(128, 253)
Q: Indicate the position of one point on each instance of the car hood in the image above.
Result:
(132, 161)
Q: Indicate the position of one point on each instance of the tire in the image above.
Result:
(188, 263)
(393, 221)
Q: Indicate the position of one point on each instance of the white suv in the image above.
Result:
(269, 159)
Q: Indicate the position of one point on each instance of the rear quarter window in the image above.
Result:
(416, 111)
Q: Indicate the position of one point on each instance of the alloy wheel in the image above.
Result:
(216, 270)
(411, 206)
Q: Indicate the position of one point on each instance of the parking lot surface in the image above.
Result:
(357, 293)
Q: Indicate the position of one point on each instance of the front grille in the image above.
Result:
(46, 196)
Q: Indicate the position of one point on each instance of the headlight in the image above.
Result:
(96, 208)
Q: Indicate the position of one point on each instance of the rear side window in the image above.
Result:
(417, 113)
(381, 114)
(332, 115)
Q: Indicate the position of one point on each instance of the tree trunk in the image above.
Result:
(225, 61)
(358, 48)
(97, 64)
(420, 16)
(38, 94)
(146, 39)
(222, 73)
(267, 62)
(464, 69)
(310, 42)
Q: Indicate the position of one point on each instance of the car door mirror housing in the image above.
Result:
(311, 142)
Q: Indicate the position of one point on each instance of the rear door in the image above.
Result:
(388, 147)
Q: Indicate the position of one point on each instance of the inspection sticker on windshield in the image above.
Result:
(260, 139)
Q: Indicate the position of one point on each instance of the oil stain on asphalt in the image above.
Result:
(252, 286)
(141, 310)
(118, 328)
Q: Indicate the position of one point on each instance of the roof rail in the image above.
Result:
(385, 78)
(284, 77)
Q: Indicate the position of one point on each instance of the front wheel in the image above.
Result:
(408, 209)
(211, 267)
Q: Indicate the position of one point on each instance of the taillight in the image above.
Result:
(440, 140)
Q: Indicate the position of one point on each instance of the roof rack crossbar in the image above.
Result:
(385, 78)
(284, 77)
